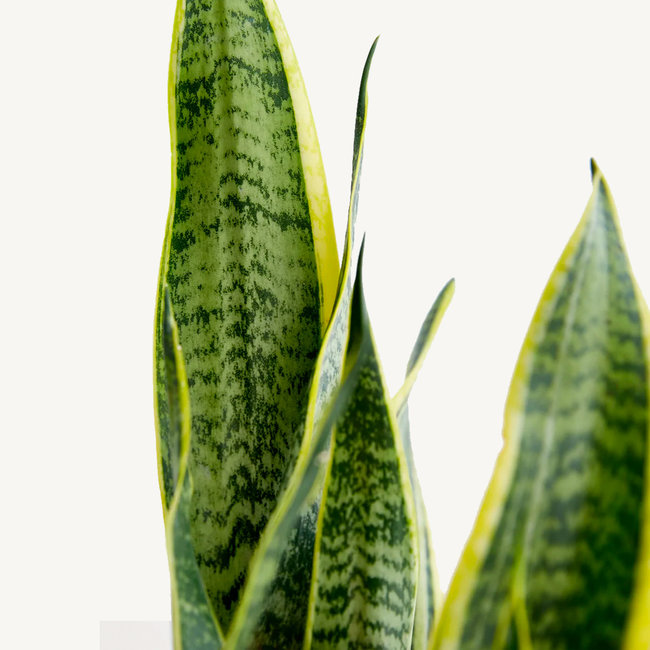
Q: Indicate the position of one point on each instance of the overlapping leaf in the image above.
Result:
(551, 561)
(195, 627)
(428, 593)
(250, 262)
(303, 489)
(274, 606)
(365, 562)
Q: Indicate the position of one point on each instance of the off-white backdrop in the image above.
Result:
(482, 119)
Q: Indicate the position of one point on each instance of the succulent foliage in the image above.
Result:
(293, 513)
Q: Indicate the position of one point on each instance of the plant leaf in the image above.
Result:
(550, 563)
(365, 560)
(428, 592)
(329, 365)
(166, 475)
(428, 598)
(305, 483)
(250, 261)
(423, 343)
(194, 625)
(274, 613)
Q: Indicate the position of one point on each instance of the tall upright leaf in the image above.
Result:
(274, 608)
(329, 365)
(194, 625)
(428, 601)
(551, 561)
(250, 261)
(365, 560)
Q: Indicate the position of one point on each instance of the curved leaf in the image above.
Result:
(423, 343)
(551, 560)
(428, 596)
(427, 606)
(312, 167)
(250, 261)
(194, 625)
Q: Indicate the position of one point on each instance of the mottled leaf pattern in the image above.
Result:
(251, 267)
(305, 482)
(365, 564)
(428, 593)
(550, 563)
(279, 617)
(285, 469)
(195, 627)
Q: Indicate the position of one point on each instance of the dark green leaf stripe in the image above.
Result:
(195, 627)
(365, 564)
(296, 506)
(274, 615)
(551, 561)
(428, 592)
(245, 273)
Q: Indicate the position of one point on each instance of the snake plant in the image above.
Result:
(292, 508)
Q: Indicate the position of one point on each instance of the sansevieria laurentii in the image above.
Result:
(293, 513)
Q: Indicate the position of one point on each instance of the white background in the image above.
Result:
(482, 119)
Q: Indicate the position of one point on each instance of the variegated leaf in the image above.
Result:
(428, 601)
(365, 560)
(551, 562)
(305, 483)
(194, 625)
(250, 261)
(274, 608)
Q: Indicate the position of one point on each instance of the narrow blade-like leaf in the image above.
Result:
(250, 262)
(551, 561)
(423, 343)
(428, 601)
(329, 365)
(275, 614)
(194, 625)
(365, 560)
(303, 490)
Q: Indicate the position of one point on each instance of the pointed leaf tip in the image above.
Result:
(581, 385)
(362, 248)
(595, 170)
(366, 72)
(367, 597)
(358, 298)
(373, 47)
